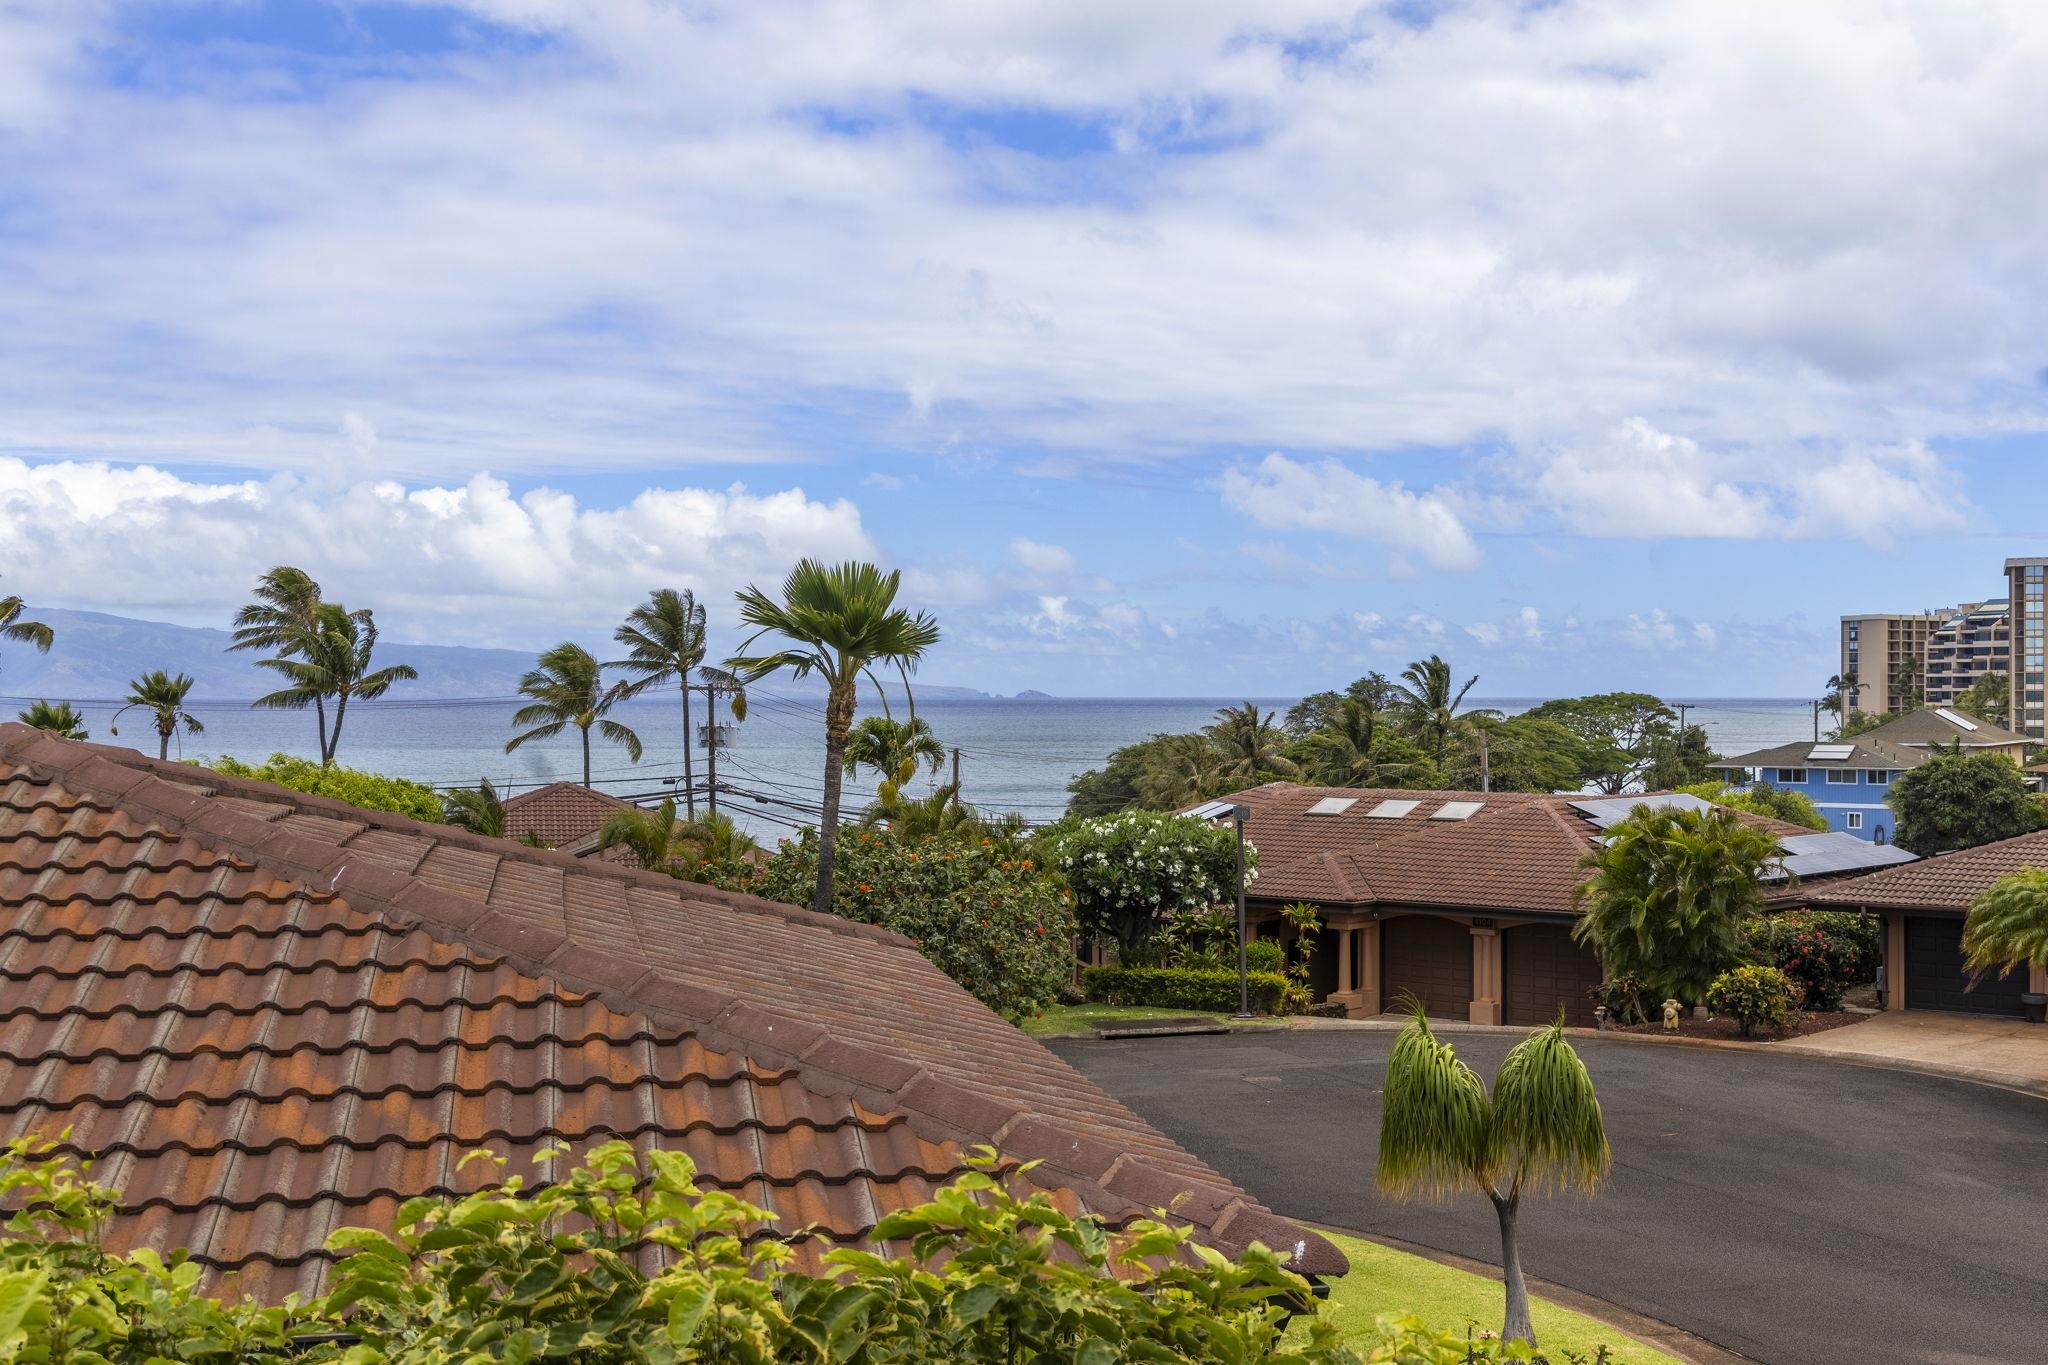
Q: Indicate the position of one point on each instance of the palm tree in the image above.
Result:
(477, 809)
(567, 687)
(1249, 743)
(840, 622)
(1180, 769)
(1540, 1131)
(12, 627)
(652, 837)
(163, 696)
(1429, 700)
(333, 661)
(60, 720)
(892, 748)
(1340, 751)
(664, 639)
(285, 617)
(2008, 924)
(713, 839)
(1841, 697)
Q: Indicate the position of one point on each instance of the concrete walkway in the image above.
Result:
(1999, 1051)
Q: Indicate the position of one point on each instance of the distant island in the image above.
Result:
(1032, 694)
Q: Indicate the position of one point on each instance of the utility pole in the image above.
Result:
(1816, 722)
(1681, 707)
(1485, 765)
(956, 778)
(711, 745)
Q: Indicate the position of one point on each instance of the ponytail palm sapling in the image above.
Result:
(1539, 1132)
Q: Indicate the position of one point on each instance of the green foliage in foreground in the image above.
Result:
(1182, 988)
(372, 791)
(2008, 923)
(1754, 997)
(550, 1273)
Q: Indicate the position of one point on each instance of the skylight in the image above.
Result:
(1456, 810)
(1333, 805)
(1392, 810)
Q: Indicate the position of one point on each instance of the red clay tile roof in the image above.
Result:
(562, 814)
(1946, 881)
(1519, 851)
(272, 1014)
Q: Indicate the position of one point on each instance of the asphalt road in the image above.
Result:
(1800, 1212)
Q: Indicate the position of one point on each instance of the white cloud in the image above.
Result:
(468, 562)
(1280, 493)
(1039, 558)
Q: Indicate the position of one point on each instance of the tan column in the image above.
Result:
(1485, 976)
(1895, 962)
(1369, 970)
(1344, 937)
(2037, 979)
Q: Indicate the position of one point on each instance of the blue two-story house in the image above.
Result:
(1848, 779)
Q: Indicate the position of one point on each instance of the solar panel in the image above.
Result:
(1392, 810)
(1613, 810)
(1456, 810)
(1212, 810)
(1955, 719)
(1333, 805)
(1830, 753)
(1813, 855)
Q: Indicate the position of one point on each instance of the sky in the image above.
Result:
(1170, 347)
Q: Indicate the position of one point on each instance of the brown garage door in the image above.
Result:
(1935, 979)
(1430, 959)
(1541, 968)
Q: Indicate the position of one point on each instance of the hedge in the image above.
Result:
(1181, 988)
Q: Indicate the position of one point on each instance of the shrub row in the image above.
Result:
(1181, 988)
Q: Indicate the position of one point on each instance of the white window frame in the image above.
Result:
(1852, 819)
(1877, 777)
(1841, 777)
(1785, 779)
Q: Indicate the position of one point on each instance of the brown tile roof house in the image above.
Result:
(271, 1015)
(1947, 881)
(561, 815)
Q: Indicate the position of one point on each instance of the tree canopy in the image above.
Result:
(1128, 870)
(1619, 733)
(1959, 800)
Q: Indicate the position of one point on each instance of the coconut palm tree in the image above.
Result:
(1540, 1131)
(163, 696)
(12, 627)
(1841, 695)
(652, 837)
(285, 617)
(2008, 924)
(839, 623)
(1428, 698)
(59, 720)
(1248, 742)
(567, 687)
(893, 749)
(713, 839)
(333, 662)
(1179, 770)
(664, 640)
(1340, 752)
(477, 809)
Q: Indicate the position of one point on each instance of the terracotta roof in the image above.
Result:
(272, 1014)
(1517, 851)
(1946, 881)
(562, 814)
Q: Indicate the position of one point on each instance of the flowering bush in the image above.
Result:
(1824, 952)
(1752, 996)
(1128, 869)
(984, 913)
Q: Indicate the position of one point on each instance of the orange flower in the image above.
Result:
(864, 886)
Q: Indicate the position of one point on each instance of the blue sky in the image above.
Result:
(1169, 348)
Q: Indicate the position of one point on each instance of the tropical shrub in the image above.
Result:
(1127, 870)
(1183, 988)
(371, 791)
(1753, 996)
(1404, 1339)
(1824, 952)
(1958, 800)
(1761, 798)
(1670, 895)
(987, 917)
(2008, 923)
(552, 1272)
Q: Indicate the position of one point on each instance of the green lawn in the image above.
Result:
(1383, 1280)
(1081, 1018)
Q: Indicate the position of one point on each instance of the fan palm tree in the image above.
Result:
(567, 687)
(1429, 698)
(477, 809)
(1249, 743)
(163, 696)
(333, 662)
(653, 837)
(59, 720)
(664, 640)
(2008, 924)
(839, 623)
(285, 617)
(1540, 1131)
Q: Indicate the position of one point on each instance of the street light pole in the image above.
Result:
(1239, 814)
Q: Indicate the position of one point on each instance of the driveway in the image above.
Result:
(1796, 1210)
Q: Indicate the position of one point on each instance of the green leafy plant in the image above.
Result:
(1761, 798)
(1129, 871)
(59, 718)
(1184, 988)
(1754, 997)
(371, 791)
(1824, 952)
(2007, 923)
(1958, 800)
(477, 809)
(1307, 923)
(1540, 1131)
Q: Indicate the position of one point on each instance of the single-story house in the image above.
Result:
(268, 1015)
(1848, 779)
(1461, 899)
(1923, 905)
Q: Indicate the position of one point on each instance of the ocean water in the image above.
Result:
(1014, 755)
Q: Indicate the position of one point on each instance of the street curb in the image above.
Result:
(1637, 1327)
(2004, 1080)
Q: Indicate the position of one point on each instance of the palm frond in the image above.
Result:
(1435, 1118)
(1548, 1133)
(2008, 924)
